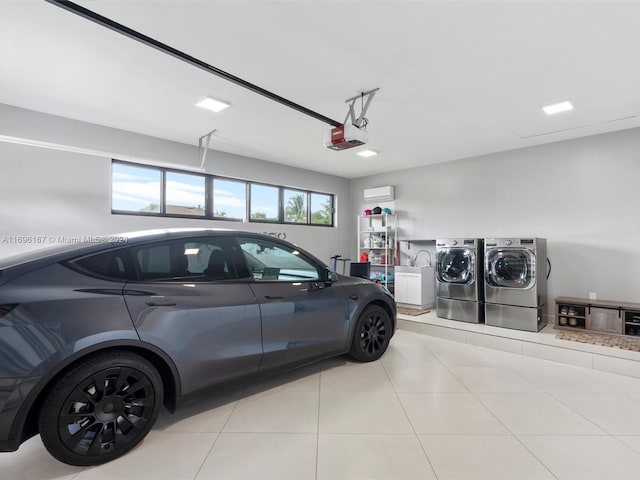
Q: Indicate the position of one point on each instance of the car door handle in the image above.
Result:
(273, 298)
(353, 297)
(161, 303)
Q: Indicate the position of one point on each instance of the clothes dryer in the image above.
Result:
(459, 291)
(515, 282)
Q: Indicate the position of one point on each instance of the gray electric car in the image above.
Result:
(96, 337)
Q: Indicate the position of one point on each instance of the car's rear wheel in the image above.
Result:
(101, 409)
(372, 334)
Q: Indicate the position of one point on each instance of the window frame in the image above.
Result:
(307, 200)
(279, 202)
(332, 210)
(211, 201)
(160, 212)
(163, 206)
(209, 198)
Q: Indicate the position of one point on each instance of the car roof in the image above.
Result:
(79, 245)
(158, 232)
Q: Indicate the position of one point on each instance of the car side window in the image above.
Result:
(192, 259)
(111, 264)
(271, 261)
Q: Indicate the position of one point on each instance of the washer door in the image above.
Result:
(456, 273)
(510, 268)
(456, 265)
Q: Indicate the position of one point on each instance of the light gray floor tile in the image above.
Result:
(402, 339)
(537, 414)
(275, 412)
(493, 380)
(363, 377)
(372, 457)
(32, 461)
(261, 456)
(618, 383)
(436, 344)
(367, 416)
(482, 457)
(410, 355)
(423, 378)
(465, 357)
(615, 413)
(350, 412)
(632, 440)
(206, 413)
(584, 457)
(562, 378)
(509, 359)
(162, 455)
(450, 413)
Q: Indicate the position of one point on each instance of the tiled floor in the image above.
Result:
(430, 409)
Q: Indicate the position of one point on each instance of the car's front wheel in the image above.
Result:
(101, 408)
(372, 334)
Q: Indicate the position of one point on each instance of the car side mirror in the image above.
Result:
(328, 277)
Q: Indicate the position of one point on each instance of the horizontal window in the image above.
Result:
(264, 203)
(321, 209)
(229, 199)
(135, 189)
(185, 194)
(295, 206)
(146, 190)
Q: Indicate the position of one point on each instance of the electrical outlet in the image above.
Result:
(593, 296)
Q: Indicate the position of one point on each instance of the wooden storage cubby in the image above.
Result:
(570, 315)
(606, 316)
(632, 322)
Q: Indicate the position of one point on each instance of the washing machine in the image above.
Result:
(459, 290)
(515, 282)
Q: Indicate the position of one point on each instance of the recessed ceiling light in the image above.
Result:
(367, 153)
(558, 107)
(212, 104)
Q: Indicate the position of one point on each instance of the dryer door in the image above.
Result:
(510, 276)
(456, 273)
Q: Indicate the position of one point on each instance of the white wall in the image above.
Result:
(582, 195)
(51, 192)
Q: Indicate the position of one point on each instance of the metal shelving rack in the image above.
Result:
(377, 236)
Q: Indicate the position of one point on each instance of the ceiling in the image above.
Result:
(457, 78)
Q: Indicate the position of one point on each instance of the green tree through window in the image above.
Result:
(321, 215)
(296, 209)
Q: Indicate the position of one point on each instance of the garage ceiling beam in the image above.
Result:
(128, 32)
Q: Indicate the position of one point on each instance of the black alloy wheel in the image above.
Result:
(101, 409)
(372, 334)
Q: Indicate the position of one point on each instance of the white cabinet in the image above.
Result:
(415, 286)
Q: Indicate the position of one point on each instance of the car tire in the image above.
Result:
(101, 408)
(372, 334)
